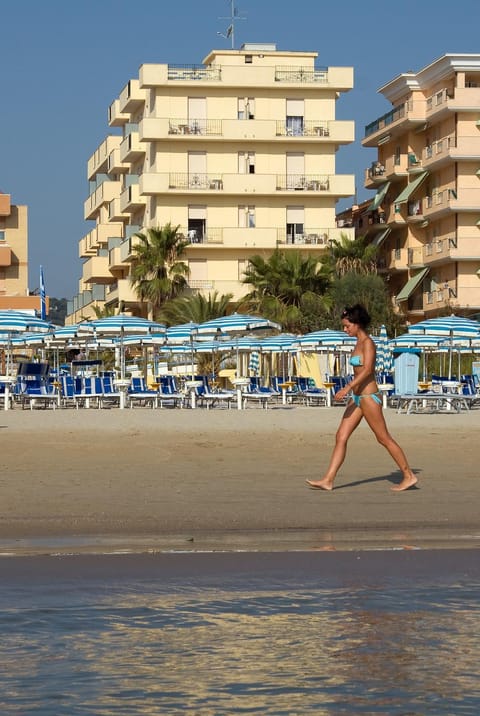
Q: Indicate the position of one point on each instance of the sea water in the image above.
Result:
(295, 633)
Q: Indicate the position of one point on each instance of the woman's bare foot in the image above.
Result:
(408, 481)
(320, 485)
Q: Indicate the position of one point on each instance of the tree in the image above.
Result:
(283, 286)
(195, 308)
(57, 311)
(157, 272)
(369, 290)
(347, 256)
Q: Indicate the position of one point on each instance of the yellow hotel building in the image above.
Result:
(425, 215)
(239, 152)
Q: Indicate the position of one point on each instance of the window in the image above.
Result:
(246, 108)
(246, 162)
(295, 117)
(2, 236)
(248, 59)
(246, 217)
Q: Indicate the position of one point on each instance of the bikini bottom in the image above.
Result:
(377, 397)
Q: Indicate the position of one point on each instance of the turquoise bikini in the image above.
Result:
(356, 361)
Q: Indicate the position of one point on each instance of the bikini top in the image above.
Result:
(356, 361)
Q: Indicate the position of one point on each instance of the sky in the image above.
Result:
(63, 62)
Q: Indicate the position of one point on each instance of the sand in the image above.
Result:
(142, 480)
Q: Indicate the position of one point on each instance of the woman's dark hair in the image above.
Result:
(357, 314)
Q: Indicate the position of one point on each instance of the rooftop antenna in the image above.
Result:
(234, 16)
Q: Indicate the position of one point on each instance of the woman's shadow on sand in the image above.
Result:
(394, 478)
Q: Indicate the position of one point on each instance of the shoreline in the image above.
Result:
(159, 481)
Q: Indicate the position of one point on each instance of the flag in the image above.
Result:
(43, 297)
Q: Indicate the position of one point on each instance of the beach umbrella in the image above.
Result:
(280, 344)
(254, 363)
(450, 327)
(13, 323)
(235, 325)
(121, 326)
(384, 360)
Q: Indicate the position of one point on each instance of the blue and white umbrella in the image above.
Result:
(14, 323)
(235, 324)
(254, 363)
(121, 326)
(451, 327)
(384, 359)
(326, 339)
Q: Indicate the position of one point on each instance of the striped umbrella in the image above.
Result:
(327, 338)
(120, 326)
(450, 327)
(254, 363)
(14, 323)
(235, 325)
(384, 361)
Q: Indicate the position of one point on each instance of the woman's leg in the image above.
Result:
(374, 416)
(351, 418)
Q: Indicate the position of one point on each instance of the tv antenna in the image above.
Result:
(233, 17)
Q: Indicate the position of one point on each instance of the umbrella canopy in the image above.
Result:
(121, 326)
(451, 327)
(326, 338)
(236, 323)
(181, 333)
(447, 326)
(384, 360)
(14, 323)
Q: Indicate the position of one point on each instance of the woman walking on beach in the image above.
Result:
(366, 402)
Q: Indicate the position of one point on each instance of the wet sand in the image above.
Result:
(140, 480)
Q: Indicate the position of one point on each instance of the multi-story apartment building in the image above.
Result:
(239, 152)
(14, 293)
(425, 216)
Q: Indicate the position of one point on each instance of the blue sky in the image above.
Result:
(63, 63)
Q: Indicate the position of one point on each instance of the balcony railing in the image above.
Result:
(308, 128)
(301, 74)
(207, 235)
(194, 72)
(195, 181)
(316, 237)
(301, 182)
(195, 127)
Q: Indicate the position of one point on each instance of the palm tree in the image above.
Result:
(347, 256)
(157, 272)
(286, 276)
(196, 308)
(283, 285)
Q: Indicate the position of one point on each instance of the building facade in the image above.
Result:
(14, 293)
(425, 215)
(239, 152)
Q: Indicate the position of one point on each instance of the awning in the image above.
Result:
(381, 236)
(411, 285)
(410, 188)
(379, 196)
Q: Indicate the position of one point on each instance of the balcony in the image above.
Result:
(195, 127)
(195, 181)
(95, 270)
(5, 255)
(121, 290)
(339, 78)
(98, 162)
(374, 175)
(97, 237)
(197, 73)
(103, 195)
(340, 132)
(405, 116)
(130, 199)
(302, 182)
(415, 257)
(115, 164)
(131, 148)
(415, 211)
(115, 212)
(116, 118)
(132, 98)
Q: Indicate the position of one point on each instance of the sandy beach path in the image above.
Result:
(141, 480)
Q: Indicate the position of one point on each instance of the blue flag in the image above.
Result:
(43, 297)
